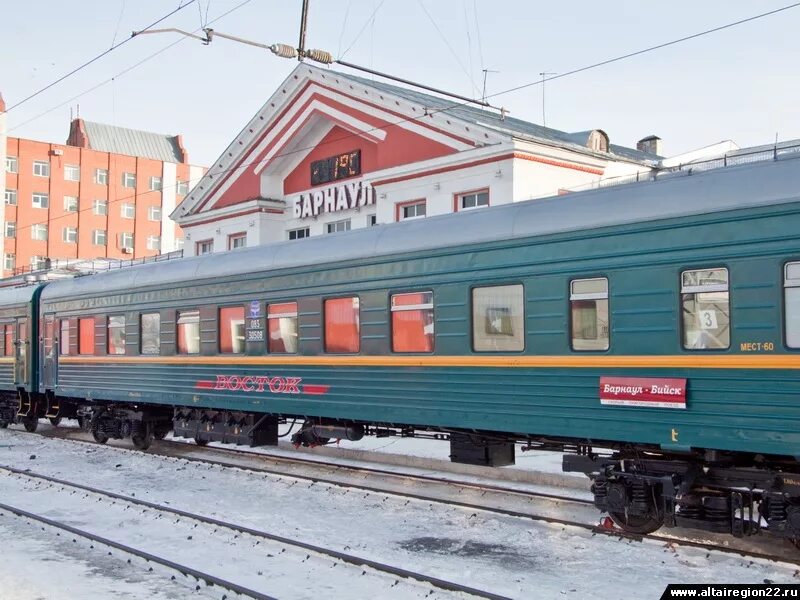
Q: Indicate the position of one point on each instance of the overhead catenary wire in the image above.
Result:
(431, 112)
(95, 59)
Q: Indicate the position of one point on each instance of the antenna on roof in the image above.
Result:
(485, 73)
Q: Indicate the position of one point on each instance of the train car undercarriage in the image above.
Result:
(641, 488)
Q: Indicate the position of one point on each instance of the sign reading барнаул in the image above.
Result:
(643, 392)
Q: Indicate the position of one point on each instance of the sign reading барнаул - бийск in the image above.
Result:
(336, 198)
(643, 392)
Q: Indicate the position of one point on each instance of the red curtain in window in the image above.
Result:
(342, 325)
(228, 317)
(282, 327)
(86, 336)
(9, 335)
(412, 330)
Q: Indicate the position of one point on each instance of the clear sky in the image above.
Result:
(740, 84)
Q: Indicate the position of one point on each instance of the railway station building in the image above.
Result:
(106, 193)
(331, 152)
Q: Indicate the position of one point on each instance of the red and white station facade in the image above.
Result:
(331, 152)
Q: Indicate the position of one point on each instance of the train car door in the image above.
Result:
(50, 349)
(21, 353)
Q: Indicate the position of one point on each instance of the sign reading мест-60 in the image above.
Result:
(643, 391)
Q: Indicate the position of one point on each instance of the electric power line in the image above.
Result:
(96, 58)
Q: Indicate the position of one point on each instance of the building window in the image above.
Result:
(342, 325)
(11, 197)
(41, 168)
(128, 180)
(337, 226)
(38, 263)
(237, 240)
(39, 232)
(155, 184)
(372, 220)
(150, 333)
(154, 213)
(299, 234)
(40, 200)
(11, 229)
(791, 291)
(116, 334)
(182, 188)
(282, 328)
(153, 242)
(588, 304)
(498, 319)
(472, 200)
(11, 164)
(70, 204)
(72, 173)
(125, 241)
(100, 207)
(63, 340)
(70, 235)
(412, 322)
(204, 247)
(411, 210)
(706, 309)
(179, 243)
(10, 262)
(127, 210)
(99, 237)
(86, 336)
(101, 176)
(188, 332)
(231, 330)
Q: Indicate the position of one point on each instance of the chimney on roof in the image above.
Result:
(651, 144)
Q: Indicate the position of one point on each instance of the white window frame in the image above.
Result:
(69, 235)
(40, 200)
(72, 173)
(127, 210)
(100, 207)
(68, 203)
(154, 213)
(37, 231)
(11, 197)
(9, 258)
(101, 176)
(12, 164)
(154, 243)
(41, 168)
(476, 194)
(233, 238)
(338, 226)
(38, 262)
(156, 183)
(97, 234)
(181, 187)
(179, 242)
(123, 238)
(415, 204)
(11, 229)
(129, 180)
(200, 247)
(296, 232)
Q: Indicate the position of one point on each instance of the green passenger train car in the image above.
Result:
(659, 321)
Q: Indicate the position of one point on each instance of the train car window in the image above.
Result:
(116, 335)
(150, 333)
(791, 289)
(282, 328)
(706, 309)
(188, 332)
(342, 325)
(9, 339)
(63, 339)
(86, 335)
(498, 319)
(412, 322)
(588, 305)
(231, 330)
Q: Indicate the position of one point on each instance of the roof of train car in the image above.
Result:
(18, 295)
(759, 184)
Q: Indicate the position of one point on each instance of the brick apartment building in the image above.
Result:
(107, 193)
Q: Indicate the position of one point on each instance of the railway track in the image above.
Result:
(565, 510)
(395, 574)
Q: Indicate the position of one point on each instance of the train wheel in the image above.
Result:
(55, 421)
(144, 437)
(637, 524)
(200, 442)
(99, 436)
(30, 424)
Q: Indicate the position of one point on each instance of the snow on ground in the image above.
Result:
(511, 556)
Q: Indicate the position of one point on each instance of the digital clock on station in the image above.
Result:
(336, 167)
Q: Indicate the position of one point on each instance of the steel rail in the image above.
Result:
(182, 569)
(348, 558)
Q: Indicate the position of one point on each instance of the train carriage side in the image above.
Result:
(19, 355)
